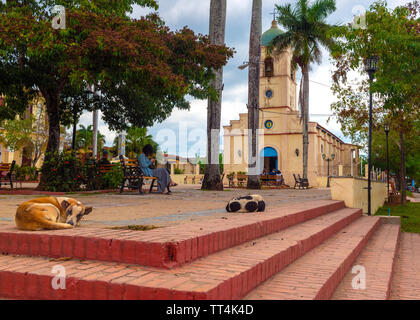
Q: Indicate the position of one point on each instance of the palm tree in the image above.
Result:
(254, 93)
(136, 139)
(212, 180)
(306, 32)
(84, 138)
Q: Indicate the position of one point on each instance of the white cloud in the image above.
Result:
(194, 13)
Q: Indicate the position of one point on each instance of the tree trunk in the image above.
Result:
(212, 179)
(73, 140)
(53, 130)
(254, 95)
(305, 120)
(403, 170)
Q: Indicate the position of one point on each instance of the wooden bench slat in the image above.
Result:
(6, 173)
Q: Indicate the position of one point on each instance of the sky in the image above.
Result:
(195, 14)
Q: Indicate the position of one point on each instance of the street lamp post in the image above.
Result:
(371, 67)
(387, 129)
(328, 160)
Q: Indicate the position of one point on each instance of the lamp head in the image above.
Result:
(371, 65)
(323, 156)
(244, 66)
(387, 127)
(333, 156)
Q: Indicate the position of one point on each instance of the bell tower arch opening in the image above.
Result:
(269, 67)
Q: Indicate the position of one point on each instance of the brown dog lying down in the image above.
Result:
(50, 213)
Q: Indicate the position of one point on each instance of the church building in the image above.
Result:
(280, 142)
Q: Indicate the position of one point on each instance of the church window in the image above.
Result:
(322, 148)
(269, 67)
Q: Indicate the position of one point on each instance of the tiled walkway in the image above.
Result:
(187, 203)
(406, 283)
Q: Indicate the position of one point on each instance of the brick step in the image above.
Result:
(229, 274)
(317, 274)
(165, 247)
(406, 280)
(378, 260)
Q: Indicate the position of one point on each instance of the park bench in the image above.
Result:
(7, 176)
(394, 196)
(230, 178)
(106, 168)
(269, 180)
(242, 180)
(301, 183)
(134, 175)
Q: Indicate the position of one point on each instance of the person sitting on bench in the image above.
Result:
(104, 161)
(280, 179)
(164, 179)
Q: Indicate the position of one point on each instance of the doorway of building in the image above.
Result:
(269, 160)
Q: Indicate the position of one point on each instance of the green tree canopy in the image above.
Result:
(141, 69)
(393, 36)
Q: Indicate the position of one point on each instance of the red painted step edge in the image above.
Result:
(25, 285)
(394, 262)
(88, 244)
(335, 279)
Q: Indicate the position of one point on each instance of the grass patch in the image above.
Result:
(410, 216)
(134, 227)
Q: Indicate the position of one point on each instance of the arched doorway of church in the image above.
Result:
(269, 159)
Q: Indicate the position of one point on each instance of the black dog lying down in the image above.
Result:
(251, 203)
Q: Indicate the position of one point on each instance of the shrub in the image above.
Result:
(178, 171)
(64, 172)
(26, 173)
(113, 179)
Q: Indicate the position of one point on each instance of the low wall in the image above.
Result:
(321, 182)
(355, 195)
(180, 178)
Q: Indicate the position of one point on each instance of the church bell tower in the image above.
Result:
(277, 80)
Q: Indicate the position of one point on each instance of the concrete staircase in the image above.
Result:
(304, 251)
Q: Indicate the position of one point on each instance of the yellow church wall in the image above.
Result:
(285, 136)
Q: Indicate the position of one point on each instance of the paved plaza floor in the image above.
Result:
(187, 203)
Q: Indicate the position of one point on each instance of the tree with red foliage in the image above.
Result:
(141, 68)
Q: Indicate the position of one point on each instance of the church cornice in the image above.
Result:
(292, 112)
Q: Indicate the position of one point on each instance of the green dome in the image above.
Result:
(270, 34)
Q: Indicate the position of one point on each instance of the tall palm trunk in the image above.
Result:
(254, 94)
(212, 180)
(305, 120)
(403, 183)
